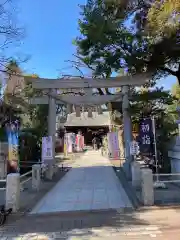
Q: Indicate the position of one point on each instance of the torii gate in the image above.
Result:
(52, 98)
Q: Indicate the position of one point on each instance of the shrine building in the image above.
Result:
(88, 124)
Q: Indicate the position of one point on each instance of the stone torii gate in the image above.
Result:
(52, 98)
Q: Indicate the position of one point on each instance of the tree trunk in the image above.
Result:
(178, 78)
(178, 74)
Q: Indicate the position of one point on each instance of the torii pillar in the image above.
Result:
(52, 132)
(127, 131)
(52, 120)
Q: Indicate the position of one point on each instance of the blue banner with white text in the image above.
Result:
(146, 137)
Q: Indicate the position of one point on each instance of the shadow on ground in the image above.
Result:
(82, 224)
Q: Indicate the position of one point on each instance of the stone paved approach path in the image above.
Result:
(91, 184)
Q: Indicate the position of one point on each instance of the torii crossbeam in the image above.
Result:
(113, 82)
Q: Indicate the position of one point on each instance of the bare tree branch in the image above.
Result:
(81, 64)
(10, 32)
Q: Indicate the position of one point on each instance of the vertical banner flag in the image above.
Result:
(110, 150)
(82, 143)
(146, 136)
(78, 142)
(47, 149)
(73, 141)
(65, 144)
(70, 142)
(13, 145)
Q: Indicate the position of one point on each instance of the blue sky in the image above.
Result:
(50, 28)
(51, 25)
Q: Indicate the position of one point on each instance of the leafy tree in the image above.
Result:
(37, 115)
(13, 94)
(163, 16)
(9, 106)
(128, 34)
(161, 105)
(176, 91)
(14, 83)
(34, 117)
(160, 23)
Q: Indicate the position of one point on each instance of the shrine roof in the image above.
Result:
(96, 119)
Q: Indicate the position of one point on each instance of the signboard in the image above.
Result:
(113, 144)
(134, 148)
(146, 136)
(13, 147)
(121, 144)
(47, 148)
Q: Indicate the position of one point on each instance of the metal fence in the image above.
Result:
(27, 176)
(167, 177)
(3, 181)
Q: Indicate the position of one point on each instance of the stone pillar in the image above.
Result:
(49, 172)
(99, 110)
(69, 108)
(127, 131)
(55, 168)
(52, 127)
(52, 120)
(147, 187)
(89, 112)
(36, 177)
(136, 174)
(78, 111)
(13, 191)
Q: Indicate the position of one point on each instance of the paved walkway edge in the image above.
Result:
(131, 193)
(81, 212)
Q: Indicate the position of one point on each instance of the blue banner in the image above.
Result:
(13, 145)
(146, 136)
